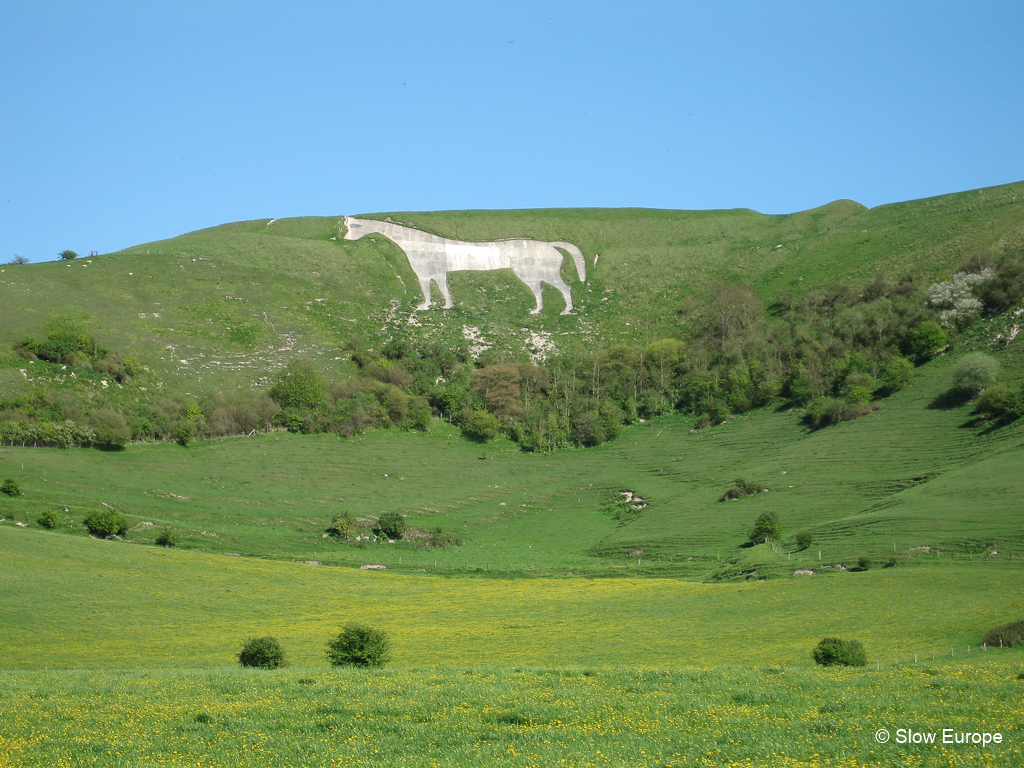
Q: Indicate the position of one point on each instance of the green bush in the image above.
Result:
(975, 372)
(111, 429)
(742, 488)
(67, 255)
(49, 519)
(1008, 635)
(925, 341)
(360, 646)
(299, 386)
(262, 652)
(1001, 402)
(804, 539)
(10, 487)
(897, 374)
(767, 525)
(441, 539)
(106, 523)
(481, 426)
(864, 563)
(341, 526)
(167, 537)
(834, 652)
(390, 524)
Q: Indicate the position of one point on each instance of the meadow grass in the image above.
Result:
(481, 716)
(85, 603)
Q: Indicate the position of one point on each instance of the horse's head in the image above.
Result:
(353, 229)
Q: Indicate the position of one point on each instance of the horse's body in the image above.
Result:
(432, 257)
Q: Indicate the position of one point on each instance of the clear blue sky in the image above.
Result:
(122, 123)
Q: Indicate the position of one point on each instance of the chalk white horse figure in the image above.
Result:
(432, 257)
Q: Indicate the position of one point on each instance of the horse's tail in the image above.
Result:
(577, 256)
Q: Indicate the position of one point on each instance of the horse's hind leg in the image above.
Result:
(566, 293)
(442, 283)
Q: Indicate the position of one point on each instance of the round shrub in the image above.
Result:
(48, 519)
(864, 563)
(360, 646)
(106, 523)
(834, 652)
(481, 426)
(391, 524)
(341, 526)
(1007, 635)
(167, 537)
(977, 371)
(262, 652)
(10, 487)
(110, 428)
(804, 539)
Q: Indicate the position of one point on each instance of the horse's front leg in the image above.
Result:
(425, 287)
(535, 287)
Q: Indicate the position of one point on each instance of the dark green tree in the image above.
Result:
(360, 646)
(767, 525)
(263, 653)
(68, 255)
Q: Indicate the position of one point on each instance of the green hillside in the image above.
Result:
(226, 306)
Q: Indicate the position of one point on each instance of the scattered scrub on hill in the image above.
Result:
(360, 646)
(438, 539)
(106, 523)
(391, 524)
(67, 344)
(167, 537)
(262, 653)
(742, 488)
(834, 652)
(341, 526)
(1005, 636)
(864, 563)
(1001, 402)
(49, 519)
(11, 487)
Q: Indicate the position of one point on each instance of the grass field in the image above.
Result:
(489, 672)
(538, 717)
